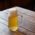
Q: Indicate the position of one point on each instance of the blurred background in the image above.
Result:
(28, 4)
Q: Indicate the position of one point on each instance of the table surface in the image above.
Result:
(4, 30)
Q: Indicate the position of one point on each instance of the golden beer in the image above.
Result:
(13, 21)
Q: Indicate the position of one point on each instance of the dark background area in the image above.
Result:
(28, 4)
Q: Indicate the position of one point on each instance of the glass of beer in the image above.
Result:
(13, 21)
